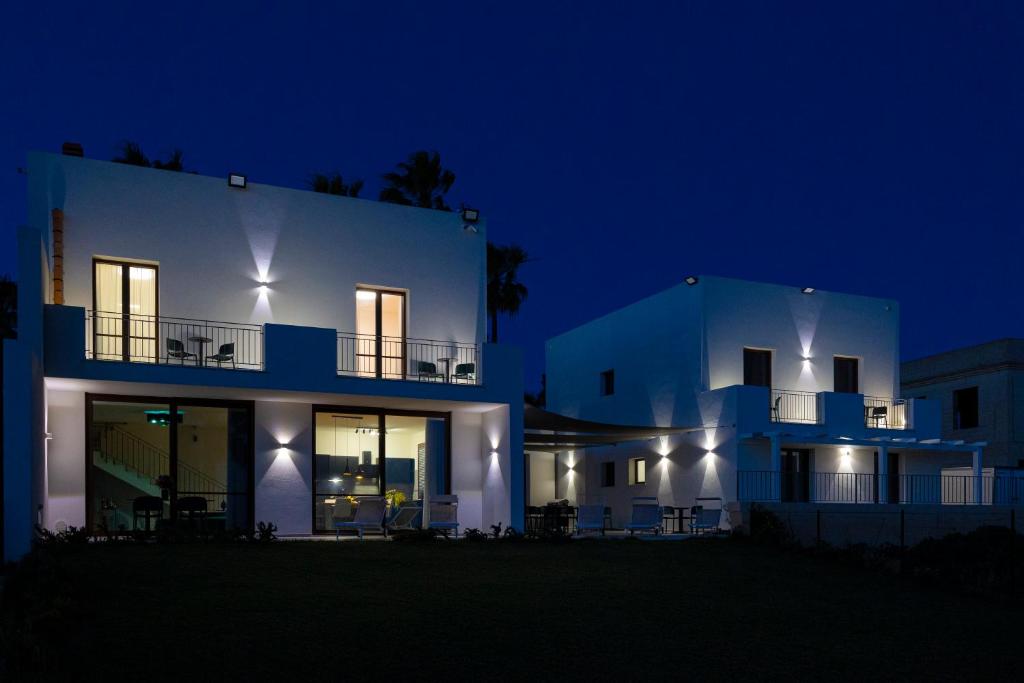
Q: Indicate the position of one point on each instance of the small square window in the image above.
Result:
(607, 382)
(608, 474)
(965, 408)
(637, 471)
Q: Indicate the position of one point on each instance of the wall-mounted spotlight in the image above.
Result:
(264, 285)
(807, 290)
(470, 217)
(691, 280)
(237, 180)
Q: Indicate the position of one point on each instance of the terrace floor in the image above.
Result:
(704, 610)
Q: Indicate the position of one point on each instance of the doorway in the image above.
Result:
(796, 475)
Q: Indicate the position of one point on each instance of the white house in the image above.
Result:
(778, 393)
(256, 353)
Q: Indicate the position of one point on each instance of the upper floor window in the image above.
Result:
(380, 333)
(608, 473)
(965, 408)
(757, 367)
(845, 375)
(637, 471)
(607, 382)
(125, 309)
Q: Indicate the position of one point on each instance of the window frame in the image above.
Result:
(379, 355)
(771, 363)
(126, 264)
(635, 471)
(957, 422)
(856, 378)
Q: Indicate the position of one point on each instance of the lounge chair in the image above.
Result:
(646, 516)
(408, 517)
(706, 516)
(591, 518)
(444, 514)
(369, 517)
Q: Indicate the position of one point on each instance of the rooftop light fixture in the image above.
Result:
(691, 280)
(470, 218)
(807, 290)
(237, 180)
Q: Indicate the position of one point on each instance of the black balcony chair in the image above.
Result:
(147, 508)
(775, 409)
(175, 349)
(225, 354)
(428, 371)
(465, 372)
(879, 415)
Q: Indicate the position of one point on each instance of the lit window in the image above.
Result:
(637, 471)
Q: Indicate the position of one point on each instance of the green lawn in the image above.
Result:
(693, 610)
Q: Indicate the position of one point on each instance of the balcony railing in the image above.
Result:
(851, 487)
(794, 406)
(422, 360)
(885, 413)
(135, 338)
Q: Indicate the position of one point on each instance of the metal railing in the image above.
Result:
(135, 338)
(852, 487)
(885, 413)
(115, 445)
(423, 360)
(794, 406)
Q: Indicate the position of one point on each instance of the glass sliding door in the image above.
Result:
(214, 466)
(153, 463)
(372, 453)
(128, 465)
(380, 333)
(124, 311)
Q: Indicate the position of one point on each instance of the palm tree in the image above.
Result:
(131, 153)
(505, 294)
(8, 308)
(420, 181)
(334, 184)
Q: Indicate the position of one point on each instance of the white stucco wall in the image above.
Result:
(214, 244)
(283, 465)
(65, 458)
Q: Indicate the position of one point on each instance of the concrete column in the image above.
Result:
(976, 471)
(776, 466)
(883, 474)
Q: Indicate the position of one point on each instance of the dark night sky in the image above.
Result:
(871, 150)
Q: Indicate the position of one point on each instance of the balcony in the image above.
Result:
(795, 407)
(885, 413)
(404, 358)
(134, 338)
(851, 487)
(805, 407)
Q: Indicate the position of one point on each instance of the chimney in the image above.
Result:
(57, 216)
(72, 149)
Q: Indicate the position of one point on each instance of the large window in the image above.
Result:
(359, 453)
(153, 461)
(124, 311)
(637, 471)
(380, 333)
(965, 408)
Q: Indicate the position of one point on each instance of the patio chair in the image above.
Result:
(192, 511)
(465, 372)
(879, 415)
(444, 514)
(147, 508)
(224, 354)
(775, 409)
(369, 517)
(175, 349)
(705, 518)
(591, 518)
(646, 516)
(407, 517)
(428, 371)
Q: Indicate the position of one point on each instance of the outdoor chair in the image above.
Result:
(591, 518)
(775, 409)
(192, 510)
(428, 371)
(465, 372)
(369, 517)
(175, 349)
(407, 517)
(147, 508)
(444, 514)
(879, 415)
(226, 353)
(646, 516)
(705, 518)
